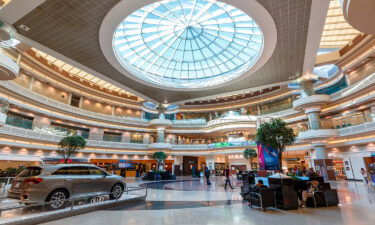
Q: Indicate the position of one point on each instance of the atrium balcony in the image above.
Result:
(8, 68)
(317, 135)
(311, 101)
(160, 123)
(160, 146)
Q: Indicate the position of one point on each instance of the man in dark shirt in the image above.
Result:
(227, 180)
(258, 186)
(207, 174)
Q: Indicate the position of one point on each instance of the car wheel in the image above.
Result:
(57, 199)
(116, 191)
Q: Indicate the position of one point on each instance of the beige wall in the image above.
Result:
(41, 121)
(98, 107)
(50, 92)
(119, 111)
(23, 80)
(362, 72)
(96, 134)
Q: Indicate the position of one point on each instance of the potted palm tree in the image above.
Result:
(159, 157)
(275, 134)
(70, 145)
(250, 154)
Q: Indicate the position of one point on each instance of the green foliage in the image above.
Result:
(70, 145)
(249, 154)
(159, 156)
(276, 135)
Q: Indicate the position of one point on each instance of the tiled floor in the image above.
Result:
(195, 203)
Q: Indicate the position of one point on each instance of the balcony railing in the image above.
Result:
(355, 129)
(348, 120)
(62, 106)
(190, 123)
(35, 135)
(367, 82)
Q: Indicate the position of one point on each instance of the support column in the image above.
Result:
(323, 166)
(113, 110)
(31, 84)
(320, 151)
(70, 99)
(96, 134)
(146, 138)
(80, 102)
(125, 137)
(311, 104)
(41, 122)
(314, 118)
(160, 134)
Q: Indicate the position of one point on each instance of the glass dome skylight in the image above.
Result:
(188, 43)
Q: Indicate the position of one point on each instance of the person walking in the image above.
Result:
(193, 172)
(207, 174)
(364, 176)
(227, 178)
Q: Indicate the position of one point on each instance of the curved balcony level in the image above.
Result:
(160, 146)
(160, 123)
(310, 102)
(8, 68)
(317, 135)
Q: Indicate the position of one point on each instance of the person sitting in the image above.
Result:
(312, 186)
(258, 186)
(256, 189)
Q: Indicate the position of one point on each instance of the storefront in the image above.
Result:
(339, 168)
(130, 168)
(296, 164)
(370, 167)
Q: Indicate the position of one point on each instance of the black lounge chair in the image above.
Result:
(264, 199)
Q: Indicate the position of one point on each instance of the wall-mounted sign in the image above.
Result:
(292, 159)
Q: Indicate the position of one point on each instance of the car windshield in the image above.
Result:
(30, 172)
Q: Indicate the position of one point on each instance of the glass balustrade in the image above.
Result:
(112, 138)
(348, 120)
(18, 121)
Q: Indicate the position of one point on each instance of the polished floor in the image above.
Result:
(192, 202)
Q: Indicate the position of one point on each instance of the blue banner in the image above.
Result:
(269, 158)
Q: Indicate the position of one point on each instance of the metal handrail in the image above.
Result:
(71, 201)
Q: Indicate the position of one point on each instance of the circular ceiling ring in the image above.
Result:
(187, 45)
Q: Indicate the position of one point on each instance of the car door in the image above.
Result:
(59, 178)
(99, 181)
(80, 180)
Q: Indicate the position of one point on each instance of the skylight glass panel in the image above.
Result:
(188, 43)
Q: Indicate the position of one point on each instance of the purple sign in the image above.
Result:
(268, 158)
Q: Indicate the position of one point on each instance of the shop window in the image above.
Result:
(136, 138)
(75, 100)
(19, 120)
(112, 136)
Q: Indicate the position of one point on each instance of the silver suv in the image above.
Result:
(57, 183)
